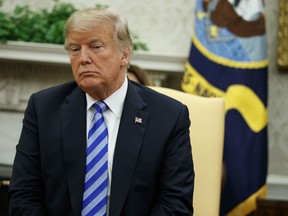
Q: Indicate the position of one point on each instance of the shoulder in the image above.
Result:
(63, 88)
(54, 94)
(165, 113)
(157, 100)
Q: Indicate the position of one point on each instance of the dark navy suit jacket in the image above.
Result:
(152, 168)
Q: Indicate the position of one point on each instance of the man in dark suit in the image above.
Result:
(149, 165)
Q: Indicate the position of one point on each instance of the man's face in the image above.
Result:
(97, 62)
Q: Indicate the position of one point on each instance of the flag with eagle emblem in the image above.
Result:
(228, 58)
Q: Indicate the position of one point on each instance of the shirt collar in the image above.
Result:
(115, 101)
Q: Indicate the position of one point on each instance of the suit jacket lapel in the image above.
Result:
(74, 145)
(129, 140)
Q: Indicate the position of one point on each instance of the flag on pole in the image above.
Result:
(228, 58)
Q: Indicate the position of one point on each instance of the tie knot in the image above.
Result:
(100, 106)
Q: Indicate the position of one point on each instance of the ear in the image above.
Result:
(126, 57)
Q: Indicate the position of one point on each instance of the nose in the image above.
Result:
(85, 56)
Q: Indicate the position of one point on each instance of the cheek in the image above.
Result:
(76, 78)
(74, 67)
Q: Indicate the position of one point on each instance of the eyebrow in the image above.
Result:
(93, 40)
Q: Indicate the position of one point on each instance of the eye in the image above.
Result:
(74, 50)
(96, 46)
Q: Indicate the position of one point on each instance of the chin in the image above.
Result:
(88, 85)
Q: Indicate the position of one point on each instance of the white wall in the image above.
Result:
(164, 25)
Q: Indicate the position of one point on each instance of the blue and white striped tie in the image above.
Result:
(96, 178)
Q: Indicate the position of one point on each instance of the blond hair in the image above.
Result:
(87, 19)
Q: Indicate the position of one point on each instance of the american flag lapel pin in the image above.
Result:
(138, 120)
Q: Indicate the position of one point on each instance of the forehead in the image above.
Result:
(97, 32)
(89, 24)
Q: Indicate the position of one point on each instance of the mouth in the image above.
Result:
(87, 73)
